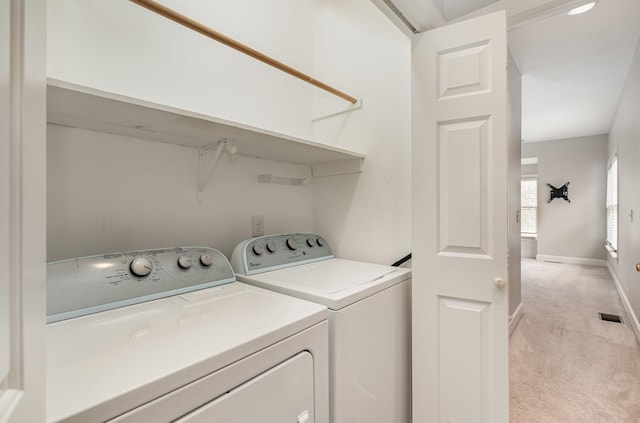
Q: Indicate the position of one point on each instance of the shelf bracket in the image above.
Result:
(207, 166)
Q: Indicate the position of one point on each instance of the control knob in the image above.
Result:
(310, 242)
(292, 243)
(320, 242)
(206, 260)
(141, 266)
(185, 262)
(271, 247)
(258, 250)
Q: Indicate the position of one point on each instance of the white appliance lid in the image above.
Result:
(336, 283)
(330, 276)
(104, 364)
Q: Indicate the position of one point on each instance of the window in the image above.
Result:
(528, 205)
(612, 205)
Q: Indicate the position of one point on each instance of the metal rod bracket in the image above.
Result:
(206, 166)
(280, 180)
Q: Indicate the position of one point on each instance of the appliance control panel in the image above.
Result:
(272, 252)
(86, 285)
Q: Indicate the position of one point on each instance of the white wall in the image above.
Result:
(109, 193)
(576, 229)
(624, 138)
(367, 216)
(122, 48)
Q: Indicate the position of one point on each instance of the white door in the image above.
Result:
(459, 153)
(22, 210)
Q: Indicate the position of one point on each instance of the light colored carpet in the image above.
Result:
(566, 365)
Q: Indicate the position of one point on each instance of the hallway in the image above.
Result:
(566, 365)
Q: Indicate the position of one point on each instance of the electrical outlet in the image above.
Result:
(257, 225)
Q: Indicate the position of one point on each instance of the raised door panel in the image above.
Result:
(464, 224)
(464, 359)
(464, 70)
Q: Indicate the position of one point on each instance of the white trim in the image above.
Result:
(9, 400)
(613, 253)
(612, 157)
(625, 302)
(26, 264)
(514, 319)
(612, 204)
(572, 260)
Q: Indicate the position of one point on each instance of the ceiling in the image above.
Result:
(573, 67)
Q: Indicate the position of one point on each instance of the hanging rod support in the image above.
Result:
(230, 42)
(205, 170)
(281, 180)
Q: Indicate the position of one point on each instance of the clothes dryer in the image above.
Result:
(170, 336)
(369, 319)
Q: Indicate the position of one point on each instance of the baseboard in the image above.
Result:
(625, 302)
(514, 319)
(571, 260)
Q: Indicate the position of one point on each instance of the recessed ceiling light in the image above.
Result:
(581, 9)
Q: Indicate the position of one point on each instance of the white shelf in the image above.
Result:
(81, 107)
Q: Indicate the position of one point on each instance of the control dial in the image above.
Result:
(141, 266)
(185, 262)
(206, 260)
(320, 242)
(292, 243)
(271, 247)
(258, 250)
(310, 242)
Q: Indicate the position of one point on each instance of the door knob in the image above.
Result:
(638, 266)
(501, 283)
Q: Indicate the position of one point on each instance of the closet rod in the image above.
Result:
(230, 42)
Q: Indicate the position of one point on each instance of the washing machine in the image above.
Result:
(169, 335)
(369, 319)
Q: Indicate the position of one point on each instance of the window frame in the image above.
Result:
(523, 234)
(612, 205)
